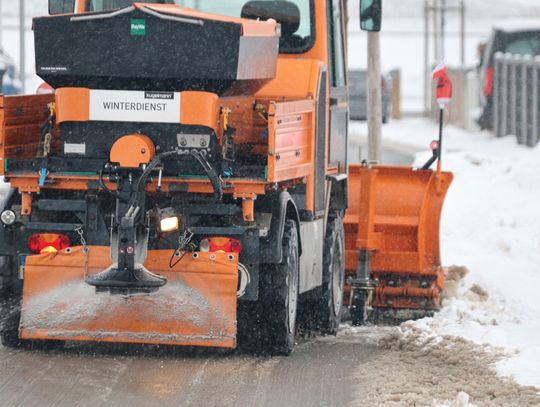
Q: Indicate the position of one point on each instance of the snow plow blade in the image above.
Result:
(393, 221)
(197, 307)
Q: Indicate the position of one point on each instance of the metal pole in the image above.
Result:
(497, 102)
(535, 104)
(524, 62)
(427, 82)
(504, 83)
(1, 25)
(22, 46)
(374, 98)
(443, 27)
(513, 96)
(436, 30)
(462, 29)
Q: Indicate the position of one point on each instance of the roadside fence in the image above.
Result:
(516, 97)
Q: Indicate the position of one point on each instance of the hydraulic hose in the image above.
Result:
(210, 172)
(146, 173)
(106, 188)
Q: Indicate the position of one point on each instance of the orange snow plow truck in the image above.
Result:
(186, 182)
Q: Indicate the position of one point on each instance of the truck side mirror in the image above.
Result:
(370, 15)
(61, 6)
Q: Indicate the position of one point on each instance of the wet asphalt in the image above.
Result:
(318, 373)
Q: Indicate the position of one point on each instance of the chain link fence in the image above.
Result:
(516, 96)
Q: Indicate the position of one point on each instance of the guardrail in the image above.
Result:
(516, 97)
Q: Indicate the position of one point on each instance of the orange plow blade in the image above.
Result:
(197, 306)
(392, 228)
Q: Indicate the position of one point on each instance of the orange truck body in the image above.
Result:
(393, 212)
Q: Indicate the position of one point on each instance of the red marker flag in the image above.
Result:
(444, 85)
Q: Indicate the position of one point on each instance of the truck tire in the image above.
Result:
(11, 316)
(4, 275)
(279, 296)
(8, 283)
(327, 310)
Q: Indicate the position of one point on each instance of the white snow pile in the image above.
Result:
(491, 230)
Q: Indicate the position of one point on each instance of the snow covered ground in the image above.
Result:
(490, 226)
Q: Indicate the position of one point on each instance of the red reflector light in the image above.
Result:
(48, 243)
(488, 82)
(434, 145)
(224, 245)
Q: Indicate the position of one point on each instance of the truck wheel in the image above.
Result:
(9, 281)
(6, 275)
(279, 295)
(328, 308)
(11, 316)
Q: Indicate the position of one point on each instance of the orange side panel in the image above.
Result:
(21, 118)
(197, 306)
(290, 141)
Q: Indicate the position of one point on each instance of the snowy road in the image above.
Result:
(350, 370)
(318, 374)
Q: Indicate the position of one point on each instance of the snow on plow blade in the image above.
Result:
(197, 306)
(394, 216)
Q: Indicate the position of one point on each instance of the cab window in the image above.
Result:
(337, 44)
(298, 38)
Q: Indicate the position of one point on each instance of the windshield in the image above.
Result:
(300, 40)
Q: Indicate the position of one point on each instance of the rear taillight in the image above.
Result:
(221, 245)
(48, 243)
(488, 82)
